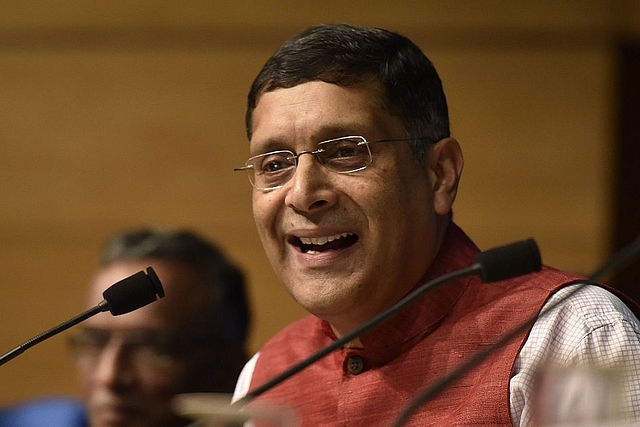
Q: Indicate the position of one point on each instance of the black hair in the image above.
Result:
(227, 282)
(347, 55)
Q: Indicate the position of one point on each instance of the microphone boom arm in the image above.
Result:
(374, 321)
(122, 297)
(103, 306)
(618, 260)
(521, 258)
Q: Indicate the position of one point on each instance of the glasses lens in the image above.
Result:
(344, 155)
(271, 170)
(145, 350)
(87, 345)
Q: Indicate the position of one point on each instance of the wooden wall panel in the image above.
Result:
(534, 128)
(119, 114)
(95, 142)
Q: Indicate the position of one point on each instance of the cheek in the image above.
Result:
(265, 214)
(261, 210)
(167, 383)
(85, 381)
(402, 202)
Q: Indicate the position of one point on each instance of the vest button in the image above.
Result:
(355, 365)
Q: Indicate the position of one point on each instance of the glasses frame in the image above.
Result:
(248, 166)
(145, 350)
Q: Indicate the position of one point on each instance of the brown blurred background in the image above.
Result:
(116, 114)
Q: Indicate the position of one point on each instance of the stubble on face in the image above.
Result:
(349, 284)
(387, 206)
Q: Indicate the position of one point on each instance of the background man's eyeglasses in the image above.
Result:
(347, 154)
(145, 350)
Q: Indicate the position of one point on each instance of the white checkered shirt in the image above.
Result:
(593, 329)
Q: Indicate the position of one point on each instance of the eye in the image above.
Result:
(274, 162)
(90, 339)
(153, 342)
(345, 154)
(153, 347)
(346, 151)
(343, 149)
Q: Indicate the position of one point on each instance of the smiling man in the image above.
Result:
(354, 176)
(357, 212)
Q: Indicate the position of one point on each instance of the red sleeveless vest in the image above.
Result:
(370, 386)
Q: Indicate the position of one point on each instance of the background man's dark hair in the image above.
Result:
(230, 312)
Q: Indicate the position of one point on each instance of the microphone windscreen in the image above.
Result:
(133, 292)
(509, 261)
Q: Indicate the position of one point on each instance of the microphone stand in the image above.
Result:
(474, 269)
(438, 386)
(521, 258)
(122, 297)
(103, 306)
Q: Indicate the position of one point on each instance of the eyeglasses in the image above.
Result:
(145, 350)
(347, 154)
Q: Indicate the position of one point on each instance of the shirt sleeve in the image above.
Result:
(592, 332)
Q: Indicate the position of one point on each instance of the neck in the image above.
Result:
(351, 344)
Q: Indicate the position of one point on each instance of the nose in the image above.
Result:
(112, 369)
(310, 189)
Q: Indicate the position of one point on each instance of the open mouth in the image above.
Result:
(325, 243)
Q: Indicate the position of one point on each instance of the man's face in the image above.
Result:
(127, 367)
(386, 211)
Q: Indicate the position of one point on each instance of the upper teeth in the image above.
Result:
(321, 240)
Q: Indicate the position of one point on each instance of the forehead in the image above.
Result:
(185, 292)
(317, 110)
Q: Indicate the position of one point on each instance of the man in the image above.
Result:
(193, 340)
(354, 176)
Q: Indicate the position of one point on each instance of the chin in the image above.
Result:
(327, 306)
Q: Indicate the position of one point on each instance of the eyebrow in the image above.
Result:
(271, 144)
(324, 133)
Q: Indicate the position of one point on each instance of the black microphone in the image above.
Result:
(614, 263)
(133, 292)
(509, 261)
(512, 260)
(122, 297)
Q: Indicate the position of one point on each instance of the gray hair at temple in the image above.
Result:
(227, 281)
(348, 55)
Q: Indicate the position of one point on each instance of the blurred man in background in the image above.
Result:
(193, 340)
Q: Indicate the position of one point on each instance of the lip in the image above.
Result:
(323, 259)
(321, 240)
(316, 231)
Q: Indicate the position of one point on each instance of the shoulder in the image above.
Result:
(591, 305)
(546, 281)
(579, 323)
(278, 352)
(578, 326)
(55, 411)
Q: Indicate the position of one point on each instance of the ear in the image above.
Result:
(445, 164)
